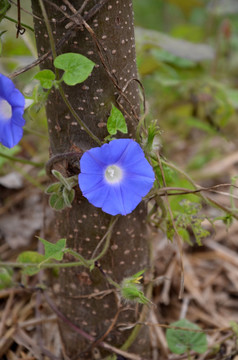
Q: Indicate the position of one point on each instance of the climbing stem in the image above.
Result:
(23, 161)
(66, 101)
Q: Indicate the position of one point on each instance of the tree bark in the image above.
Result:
(84, 225)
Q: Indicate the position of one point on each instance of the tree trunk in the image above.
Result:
(83, 225)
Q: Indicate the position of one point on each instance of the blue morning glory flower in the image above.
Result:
(12, 104)
(115, 176)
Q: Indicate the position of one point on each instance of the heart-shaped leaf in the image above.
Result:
(182, 341)
(116, 122)
(31, 257)
(54, 251)
(46, 78)
(77, 67)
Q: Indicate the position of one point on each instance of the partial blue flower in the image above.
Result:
(115, 176)
(12, 104)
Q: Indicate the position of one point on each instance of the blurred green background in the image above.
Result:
(187, 55)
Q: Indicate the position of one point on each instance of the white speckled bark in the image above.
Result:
(84, 225)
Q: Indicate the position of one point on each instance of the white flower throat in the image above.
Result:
(113, 174)
(5, 110)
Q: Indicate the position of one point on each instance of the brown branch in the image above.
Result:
(183, 191)
(43, 57)
(142, 89)
(88, 337)
(79, 20)
(20, 28)
(111, 76)
(25, 11)
(59, 158)
(91, 13)
(107, 332)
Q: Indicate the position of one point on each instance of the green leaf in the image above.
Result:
(31, 257)
(61, 178)
(5, 151)
(54, 251)
(53, 188)
(185, 236)
(1, 33)
(178, 47)
(234, 327)
(132, 292)
(197, 123)
(232, 96)
(131, 288)
(182, 341)
(68, 196)
(116, 122)
(46, 78)
(4, 7)
(77, 67)
(5, 278)
(223, 8)
(189, 215)
(92, 267)
(57, 202)
(137, 275)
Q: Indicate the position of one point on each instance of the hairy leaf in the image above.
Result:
(5, 278)
(31, 257)
(54, 251)
(182, 341)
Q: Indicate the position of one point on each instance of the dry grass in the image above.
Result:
(28, 326)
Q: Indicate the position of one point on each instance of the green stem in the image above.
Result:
(233, 207)
(35, 132)
(45, 265)
(189, 355)
(174, 167)
(135, 332)
(48, 27)
(23, 161)
(138, 128)
(29, 178)
(205, 198)
(15, 21)
(77, 118)
(112, 282)
(107, 236)
(66, 101)
(84, 262)
(133, 335)
(137, 328)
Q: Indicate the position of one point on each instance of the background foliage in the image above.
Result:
(187, 54)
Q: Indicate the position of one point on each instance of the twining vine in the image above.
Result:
(101, 173)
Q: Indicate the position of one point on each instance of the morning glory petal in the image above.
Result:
(116, 176)
(6, 86)
(16, 99)
(138, 184)
(133, 153)
(114, 203)
(17, 118)
(11, 135)
(11, 113)
(137, 169)
(98, 196)
(89, 164)
(87, 182)
(112, 152)
(130, 202)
